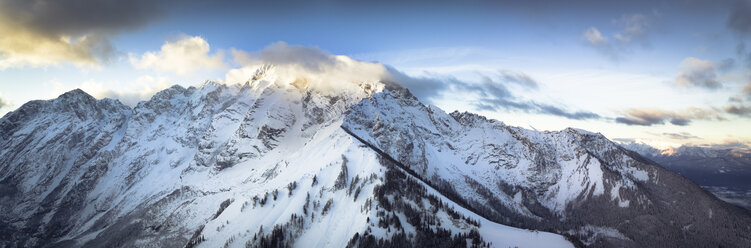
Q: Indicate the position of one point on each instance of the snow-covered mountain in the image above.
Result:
(570, 181)
(686, 151)
(725, 172)
(271, 162)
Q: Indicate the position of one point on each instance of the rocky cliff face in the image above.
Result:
(268, 162)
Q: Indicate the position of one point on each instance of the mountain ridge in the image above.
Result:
(725, 172)
(157, 168)
(273, 162)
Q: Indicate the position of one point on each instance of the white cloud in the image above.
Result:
(699, 73)
(3, 102)
(130, 94)
(594, 37)
(320, 70)
(57, 88)
(632, 28)
(325, 72)
(182, 57)
(635, 27)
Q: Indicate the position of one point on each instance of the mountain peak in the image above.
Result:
(335, 79)
(76, 94)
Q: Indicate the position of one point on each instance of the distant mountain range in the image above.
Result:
(272, 163)
(725, 172)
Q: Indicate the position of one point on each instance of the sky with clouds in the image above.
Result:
(662, 72)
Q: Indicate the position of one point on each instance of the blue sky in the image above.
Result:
(662, 72)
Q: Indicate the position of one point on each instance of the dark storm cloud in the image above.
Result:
(740, 18)
(643, 117)
(577, 115)
(649, 117)
(678, 121)
(47, 32)
(631, 121)
(78, 17)
(681, 135)
(739, 110)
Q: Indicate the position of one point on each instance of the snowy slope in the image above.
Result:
(254, 164)
(466, 150)
(570, 181)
